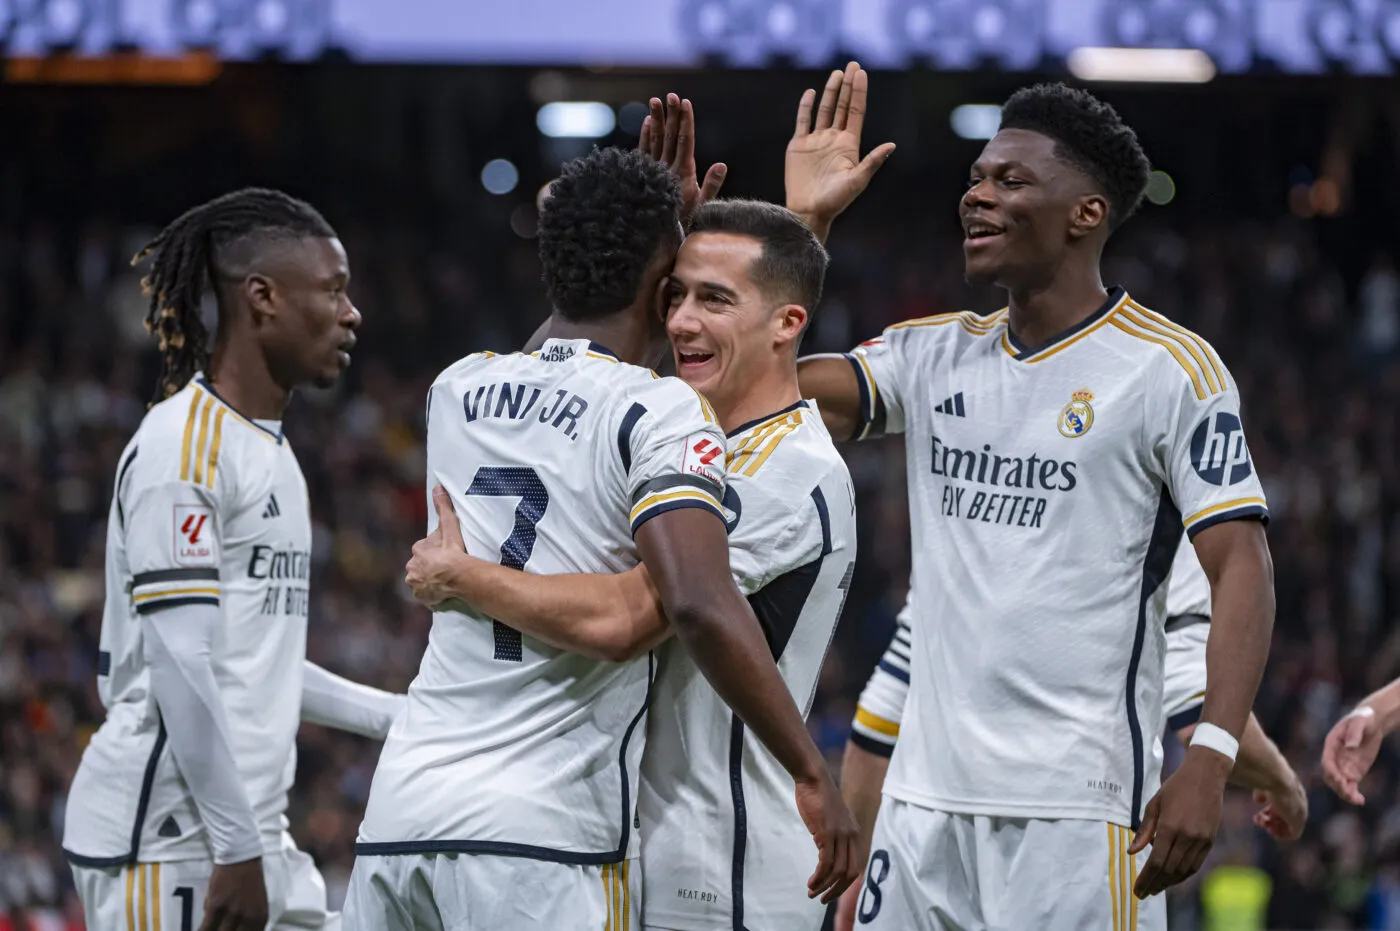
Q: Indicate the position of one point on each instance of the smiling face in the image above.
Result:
(726, 332)
(310, 330)
(1024, 208)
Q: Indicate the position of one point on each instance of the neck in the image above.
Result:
(626, 333)
(238, 371)
(770, 392)
(1040, 311)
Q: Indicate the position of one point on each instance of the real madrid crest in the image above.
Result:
(1078, 415)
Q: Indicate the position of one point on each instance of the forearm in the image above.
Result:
(605, 617)
(1260, 765)
(1385, 702)
(177, 645)
(862, 782)
(1242, 594)
(332, 701)
(738, 663)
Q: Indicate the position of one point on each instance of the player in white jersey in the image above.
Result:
(515, 765)
(720, 834)
(1259, 767)
(1055, 451)
(177, 812)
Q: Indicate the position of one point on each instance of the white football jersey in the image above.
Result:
(208, 508)
(1048, 490)
(508, 745)
(722, 841)
(880, 710)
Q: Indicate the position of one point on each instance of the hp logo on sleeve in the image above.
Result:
(1218, 451)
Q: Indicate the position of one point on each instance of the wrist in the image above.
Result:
(1210, 760)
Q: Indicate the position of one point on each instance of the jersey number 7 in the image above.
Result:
(524, 483)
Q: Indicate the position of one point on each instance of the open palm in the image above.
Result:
(824, 172)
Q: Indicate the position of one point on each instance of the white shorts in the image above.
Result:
(479, 892)
(171, 895)
(937, 870)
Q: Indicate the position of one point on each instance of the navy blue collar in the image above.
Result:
(753, 423)
(1022, 351)
(204, 383)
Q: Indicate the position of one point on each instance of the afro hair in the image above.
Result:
(601, 225)
(1089, 135)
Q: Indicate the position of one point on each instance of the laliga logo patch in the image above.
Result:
(1218, 451)
(703, 457)
(1078, 415)
(194, 532)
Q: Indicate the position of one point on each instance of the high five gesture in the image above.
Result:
(824, 171)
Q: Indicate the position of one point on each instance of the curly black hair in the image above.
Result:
(604, 219)
(186, 259)
(1090, 136)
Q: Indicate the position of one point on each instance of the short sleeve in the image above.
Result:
(1184, 684)
(173, 545)
(1203, 450)
(673, 451)
(881, 706)
(878, 364)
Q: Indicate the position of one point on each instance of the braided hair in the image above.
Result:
(185, 262)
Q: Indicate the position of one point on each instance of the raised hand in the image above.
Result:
(668, 135)
(1349, 752)
(823, 170)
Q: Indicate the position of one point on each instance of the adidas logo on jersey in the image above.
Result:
(272, 510)
(953, 405)
(169, 828)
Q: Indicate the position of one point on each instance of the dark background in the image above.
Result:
(1278, 248)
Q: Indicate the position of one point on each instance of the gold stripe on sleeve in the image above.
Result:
(758, 457)
(1205, 347)
(1191, 348)
(876, 723)
(1216, 509)
(199, 444)
(214, 445)
(189, 433)
(176, 591)
(1176, 354)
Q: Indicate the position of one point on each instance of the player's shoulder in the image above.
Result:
(958, 327)
(467, 364)
(194, 436)
(1167, 353)
(782, 457)
(664, 396)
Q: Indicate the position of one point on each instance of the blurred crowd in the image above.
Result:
(1316, 356)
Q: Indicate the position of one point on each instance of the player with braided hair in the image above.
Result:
(176, 810)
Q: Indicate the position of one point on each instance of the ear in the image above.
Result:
(789, 321)
(259, 290)
(1090, 214)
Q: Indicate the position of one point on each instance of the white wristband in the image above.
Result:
(1216, 738)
